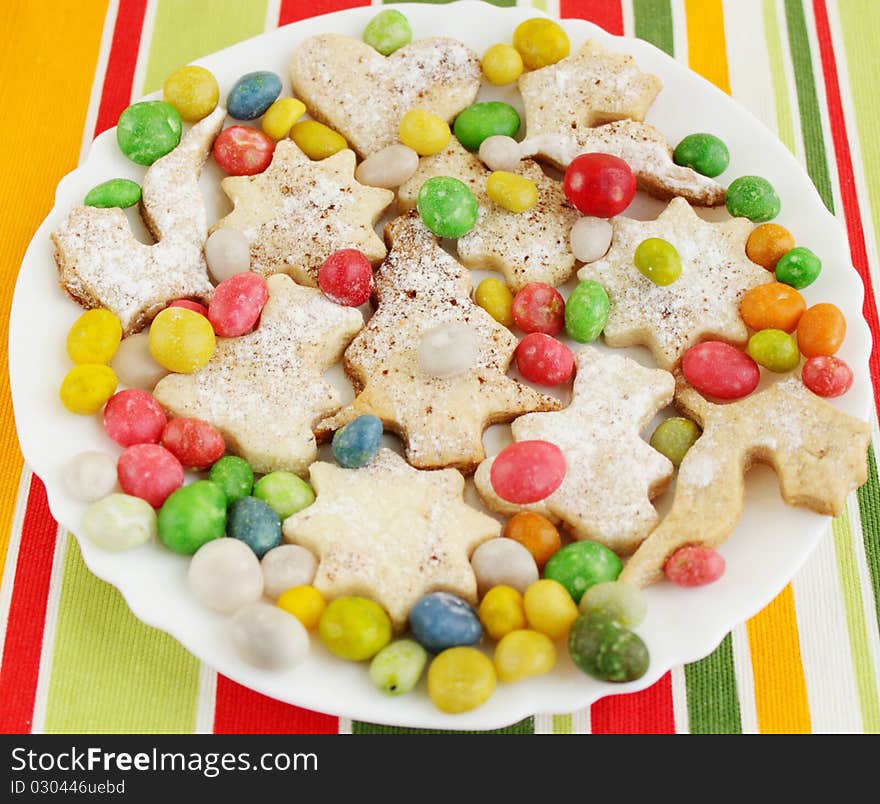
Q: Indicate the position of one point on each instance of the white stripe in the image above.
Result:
(679, 31)
(581, 722)
(140, 70)
(745, 679)
(543, 724)
(273, 11)
(98, 81)
(206, 700)
(629, 24)
(680, 701)
(344, 725)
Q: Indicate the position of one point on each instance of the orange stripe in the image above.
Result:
(707, 49)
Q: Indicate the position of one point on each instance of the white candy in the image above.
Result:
(225, 575)
(119, 522)
(268, 637)
(499, 152)
(590, 238)
(287, 566)
(447, 350)
(89, 476)
(388, 168)
(228, 253)
(134, 365)
(503, 561)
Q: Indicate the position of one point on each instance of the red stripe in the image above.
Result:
(607, 14)
(293, 10)
(119, 76)
(27, 614)
(645, 712)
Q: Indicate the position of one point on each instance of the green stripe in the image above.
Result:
(562, 724)
(110, 672)
(713, 700)
(868, 497)
(653, 23)
(526, 726)
(773, 40)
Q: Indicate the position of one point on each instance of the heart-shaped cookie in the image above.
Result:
(363, 95)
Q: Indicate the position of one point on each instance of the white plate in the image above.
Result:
(769, 545)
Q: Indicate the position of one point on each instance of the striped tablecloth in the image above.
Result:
(74, 658)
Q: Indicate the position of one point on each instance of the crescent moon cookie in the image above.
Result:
(102, 264)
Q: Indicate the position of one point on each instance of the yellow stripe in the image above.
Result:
(707, 50)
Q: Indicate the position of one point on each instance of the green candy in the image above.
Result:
(775, 350)
(586, 311)
(397, 668)
(447, 206)
(752, 197)
(798, 268)
(704, 153)
(120, 193)
(234, 475)
(192, 516)
(148, 130)
(674, 437)
(284, 492)
(388, 31)
(604, 649)
(580, 565)
(483, 120)
(658, 260)
(616, 600)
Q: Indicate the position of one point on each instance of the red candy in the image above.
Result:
(694, 566)
(825, 375)
(346, 277)
(720, 370)
(600, 185)
(195, 443)
(134, 417)
(150, 472)
(243, 151)
(527, 471)
(189, 304)
(539, 308)
(237, 303)
(542, 359)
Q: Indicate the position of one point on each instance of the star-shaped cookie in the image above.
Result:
(819, 454)
(702, 303)
(102, 264)
(266, 389)
(297, 212)
(531, 246)
(418, 287)
(391, 533)
(611, 473)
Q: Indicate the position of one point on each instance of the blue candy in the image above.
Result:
(441, 620)
(255, 523)
(356, 443)
(252, 95)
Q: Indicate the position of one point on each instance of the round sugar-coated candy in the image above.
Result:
(305, 603)
(197, 444)
(496, 299)
(590, 238)
(252, 94)
(539, 307)
(502, 64)
(86, 387)
(599, 185)
(798, 267)
(267, 637)
(586, 311)
(135, 365)
(424, 132)
(826, 375)
(442, 620)
(357, 442)
(237, 303)
(149, 471)
(243, 151)
(605, 650)
(148, 130)
(752, 197)
(483, 120)
(234, 476)
(540, 42)
(119, 522)
(501, 611)
(821, 330)
(94, 337)
(694, 565)
(89, 476)
(316, 140)
(285, 492)
(674, 437)
(225, 575)
(254, 523)
(619, 601)
(281, 116)
(549, 608)
(189, 304)
(346, 277)
(460, 679)
(527, 471)
(499, 152)
(524, 654)
(227, 253)
(193, 91)
(544, 360)
(120, 193)
(286, 567)
(580, 565)
(767, 243)
(447, 349)
(354, 628)
(704, 153)
(389, 167)
(181, 340)
(772, 306)
(504, 562)
(447, 206)
(658, 260)
(720, 370)
(397, 668)
(192, 516)
(133, 417)
(536, 533)
(388, 31)
(512, 192)
(775, 350)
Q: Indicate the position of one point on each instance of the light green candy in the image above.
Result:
(234, 475)
(120, 522)
(586, 311)
(285, 493)
(388, 31)
(148, 130)
(120, 193)
(397, 668)
(622, 602)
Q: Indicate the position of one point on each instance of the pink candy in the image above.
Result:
(195, 443)
(542, 359)
(346, 277)
(539, 307)
(527, 471)
(720, 370)
(150, 472)
(694, 566)
(237, 303)
(134, 417)
(825, 375)
(189, 304)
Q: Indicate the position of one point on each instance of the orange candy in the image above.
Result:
(536, 533)
(821, 330)
(767, 243)
(772, 306)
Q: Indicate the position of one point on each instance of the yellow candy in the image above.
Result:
(501, 611)
(496, 299)
(523, 654)
(181, 340)
(94, 337)
(460, 679)
(281, 116)
(540, 42)
(502, 64)
(87, 387)
(424, 132)
(316, 140)
(514, 193)
(549, 608)
(193, 91)
(305, 603)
